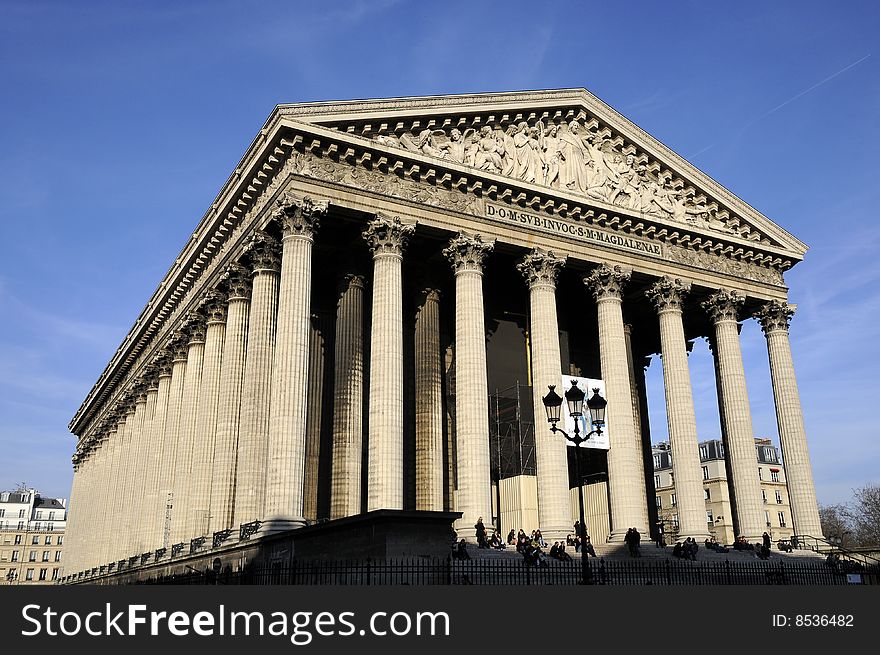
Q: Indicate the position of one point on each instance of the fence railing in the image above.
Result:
(513, 572)
(824, 546)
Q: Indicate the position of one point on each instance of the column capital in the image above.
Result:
(428, 294)
(607, 282)
(723, 305)
(213, 304)
(668, 293)
(194, 325)
(775, 316)
(540, 268)
(348, 281)
(238, 281)
(466, 252)
(388, 236)
(264, 251)
(299, 216)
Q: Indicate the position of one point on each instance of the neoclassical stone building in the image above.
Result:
(328, 341)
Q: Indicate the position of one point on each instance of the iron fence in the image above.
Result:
(513, 572)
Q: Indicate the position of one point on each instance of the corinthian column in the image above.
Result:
(165, 488)
(144, 408)
(290, 383)
(723, 307)
(474, 500)
(314, 416)
(387, 238)
(667, 295)
(540, 269)
(348, 399)
(253, 438)
(626, 475)
(775, 317)
(229, 406)
(429, 405)
(150, 534)
(214, 307)
(108, 518)
(195, 355)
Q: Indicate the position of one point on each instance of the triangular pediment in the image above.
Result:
(567, 140)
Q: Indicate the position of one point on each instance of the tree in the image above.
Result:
(835, 523)
(863, 514)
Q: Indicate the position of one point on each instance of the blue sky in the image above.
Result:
(120, 121)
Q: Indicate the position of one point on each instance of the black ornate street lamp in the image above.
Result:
(574, 397)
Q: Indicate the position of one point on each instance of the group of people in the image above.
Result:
(686, 549)
(633, 540)
(493, 541)
(711, 544)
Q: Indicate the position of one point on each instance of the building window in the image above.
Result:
(21, 513)
(706, 494)
(48, 540)
(659, 502)
(38, 515)
(45, 555)
(57, 555)
(50, 527)
(55, 574)
(674, 502)
(774, 475)
(675, 520)
(704, 452)
(60, 539)
(760, 473)
(32, 556)
(767, 517)
(35, 540)
(705, 472)
(656, 461)
(14, 557)
(51, 516)
(764, 495)
(2, 513)
(709, 517)
(781, 519)
(656, 481)
(21, 525)
(778, 498)
(17, 539)
(29, 575)
(42, 574)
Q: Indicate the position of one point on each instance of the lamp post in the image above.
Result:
(574, 397)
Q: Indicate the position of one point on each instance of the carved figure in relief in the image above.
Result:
(509, 154)
(550, 155)
(487, 157)
(572, 168)
(566, 155)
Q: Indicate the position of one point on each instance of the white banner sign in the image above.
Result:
(600, 441)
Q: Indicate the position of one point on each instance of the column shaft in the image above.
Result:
(151, 538)
(253, 438)
(229, 409)
(165, 496)
(626, 475)
(348, 400)
(429, 405)
(206, 421)
(554, 503)
(314, 416)
(774, 319)
(668, 295)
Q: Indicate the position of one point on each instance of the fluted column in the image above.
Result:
(121, 456)
(387, 238)
(146, 450)
(165, 488)
(253, 438)
(76, 519)
(106, 520)
(229, 407)
(134, 485)
(474, 498)
(195, 355)
(287, 423)
(314, 416)
(540, 269)
(150, 538)
(774, 318)
(214, 307)
(626, 474)
(429, 405)
(124, 483)
(667, 295)
(723, 307)
(348, 399)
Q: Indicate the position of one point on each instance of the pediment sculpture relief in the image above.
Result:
(579, 158)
